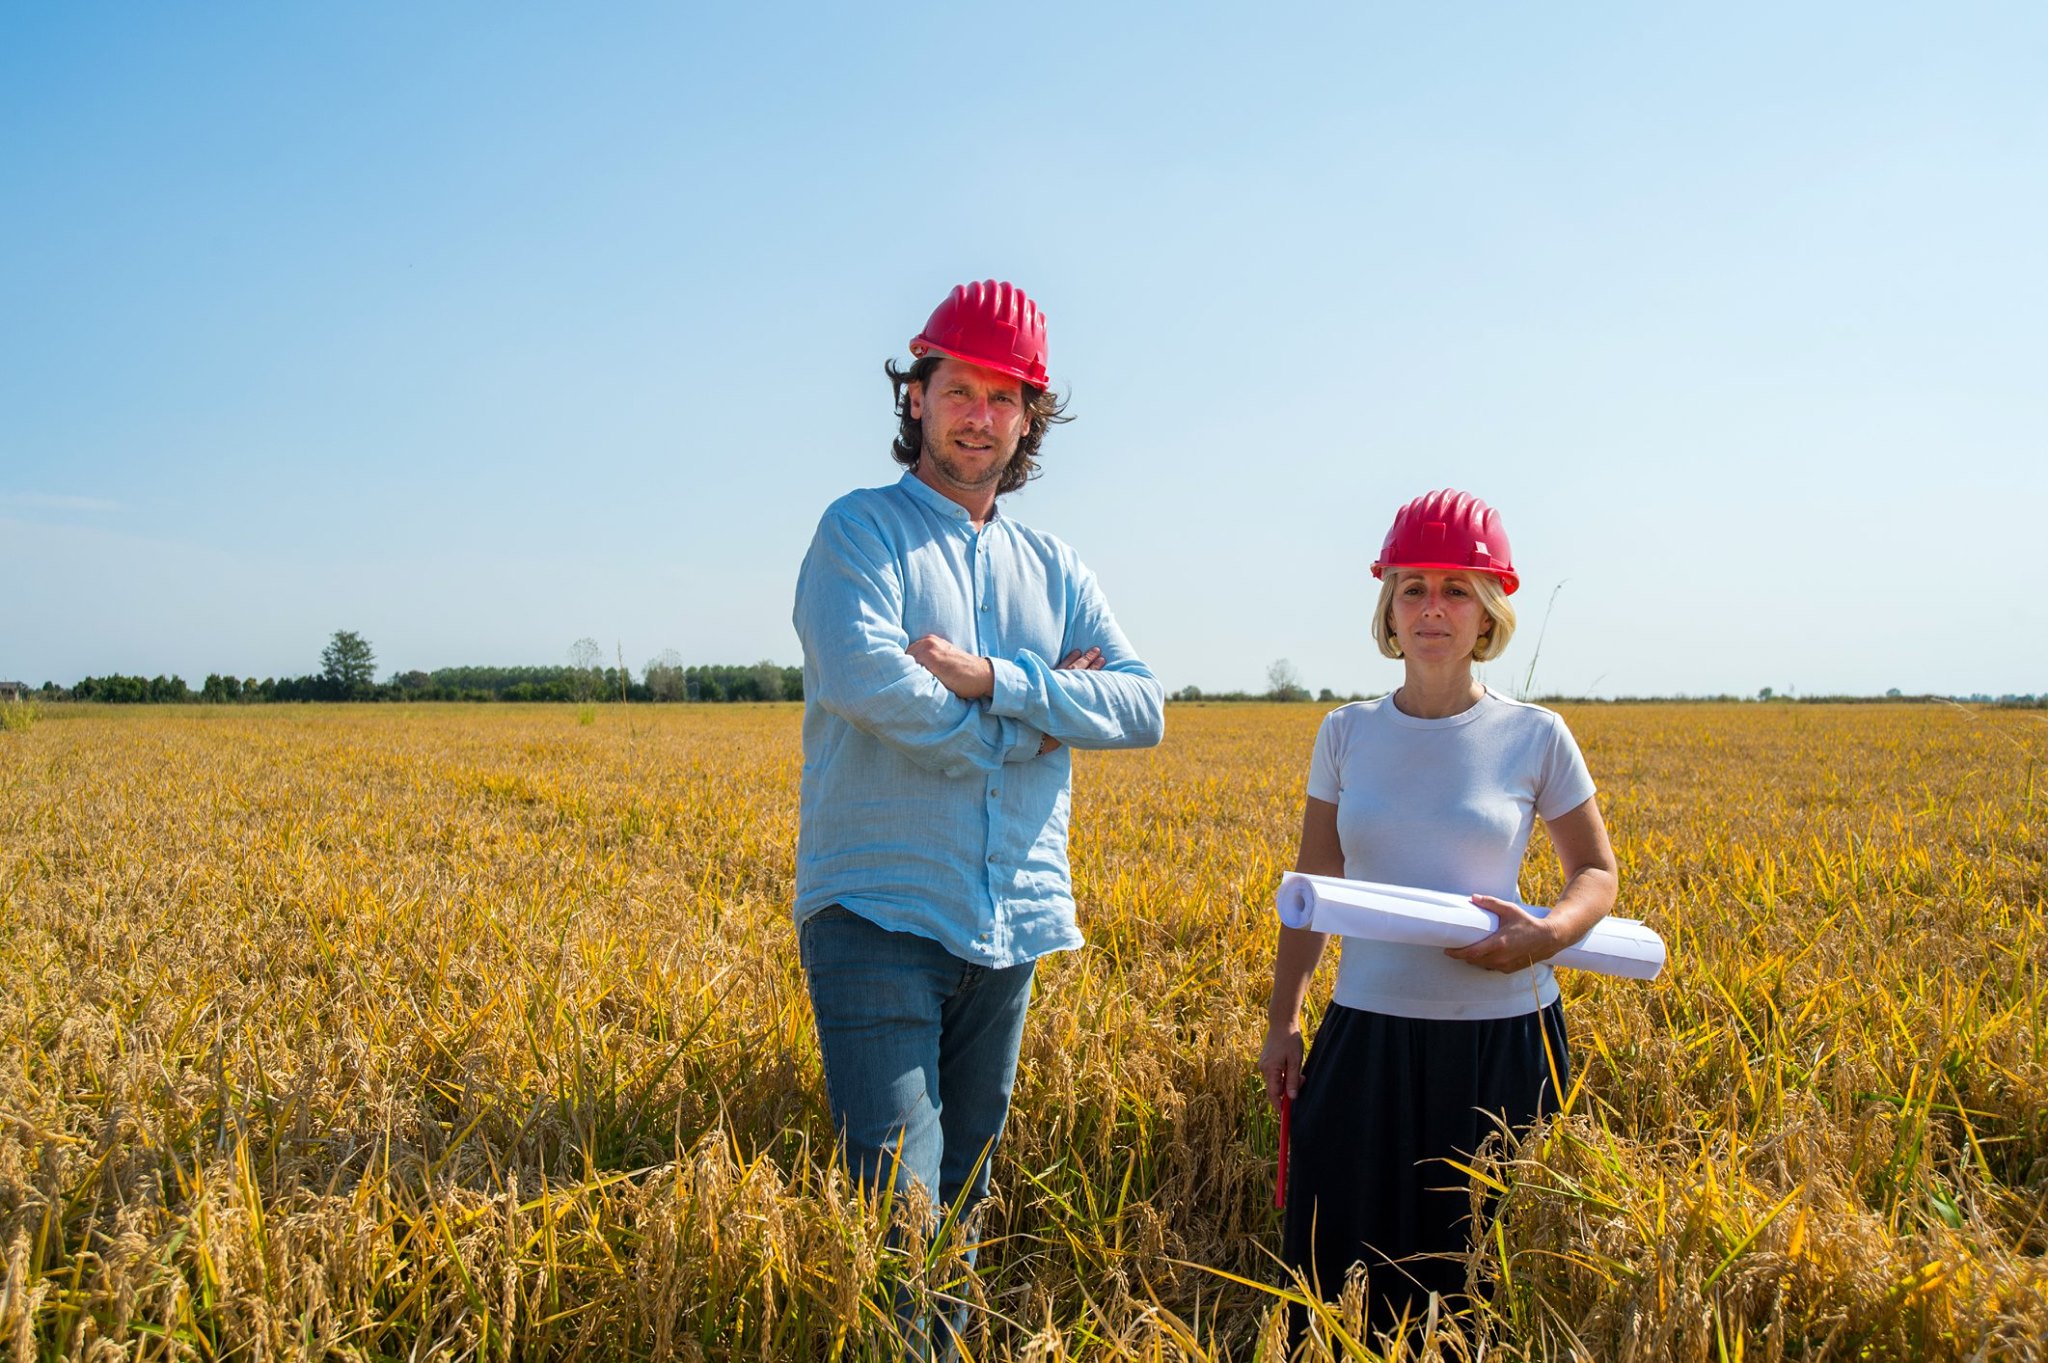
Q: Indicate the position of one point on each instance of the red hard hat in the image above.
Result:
(1450, 530)
(989, 324)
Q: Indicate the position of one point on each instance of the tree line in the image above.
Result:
(348, 671)
(714, 683)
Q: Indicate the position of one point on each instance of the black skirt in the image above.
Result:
(1384, 1102)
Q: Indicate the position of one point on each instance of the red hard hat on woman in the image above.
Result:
(990, 324)
(1453, 531)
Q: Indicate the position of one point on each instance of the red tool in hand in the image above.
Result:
(1280, 1183)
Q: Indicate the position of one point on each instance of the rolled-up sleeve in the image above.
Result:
(1121, 705)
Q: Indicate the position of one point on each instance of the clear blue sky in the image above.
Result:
(482, 328)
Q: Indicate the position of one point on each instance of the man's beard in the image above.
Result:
(953, 473)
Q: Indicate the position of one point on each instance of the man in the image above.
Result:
(932, 850)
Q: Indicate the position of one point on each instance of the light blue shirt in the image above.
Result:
(923, 812)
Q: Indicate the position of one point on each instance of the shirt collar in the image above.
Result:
(938, 501)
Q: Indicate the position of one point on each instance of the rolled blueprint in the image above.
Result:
(1429, 918)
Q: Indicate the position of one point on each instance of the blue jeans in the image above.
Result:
(920, 1051)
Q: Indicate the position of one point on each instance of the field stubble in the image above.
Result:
(478, 1032)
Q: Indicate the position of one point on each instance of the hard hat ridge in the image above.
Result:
(1452, 531)
(992, 324)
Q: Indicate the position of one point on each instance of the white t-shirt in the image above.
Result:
(1442, 804)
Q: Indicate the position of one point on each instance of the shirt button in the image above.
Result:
(991, 858)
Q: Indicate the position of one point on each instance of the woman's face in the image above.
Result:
(1437, 615)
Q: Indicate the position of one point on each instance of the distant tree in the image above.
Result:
(665, 675)
(414, 680)
(347, 662)
(1283, 682)
(111, 690)
(505, 683)
(1765, 693)
(586, 659)
(763, 681)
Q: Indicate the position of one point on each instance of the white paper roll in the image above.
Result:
(1429, 918)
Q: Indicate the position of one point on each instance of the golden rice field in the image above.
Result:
(451, 1032)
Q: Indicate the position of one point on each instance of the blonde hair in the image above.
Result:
(1492, 600)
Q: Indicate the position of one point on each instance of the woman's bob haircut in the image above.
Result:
(1492, 642)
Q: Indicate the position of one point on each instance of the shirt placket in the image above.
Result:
(985, 643)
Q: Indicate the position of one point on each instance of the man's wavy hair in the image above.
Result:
(1043, 409)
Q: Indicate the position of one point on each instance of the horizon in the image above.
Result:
(1309, 694)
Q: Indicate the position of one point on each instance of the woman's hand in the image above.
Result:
(1519, 941)
(1294, 960)
(1280, 1062)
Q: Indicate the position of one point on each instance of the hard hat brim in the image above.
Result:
(1509, 579)
(920, 347)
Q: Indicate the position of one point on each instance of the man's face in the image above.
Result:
(973, 419)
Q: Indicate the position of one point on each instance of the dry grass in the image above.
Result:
(451, 1032)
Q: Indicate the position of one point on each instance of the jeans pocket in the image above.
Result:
(805, 930)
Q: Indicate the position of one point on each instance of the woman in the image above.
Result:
(1423, 1053)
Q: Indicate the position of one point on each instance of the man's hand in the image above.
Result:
(967, 675)
(1520, 941)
